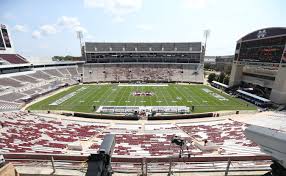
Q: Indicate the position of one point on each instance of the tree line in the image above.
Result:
(222, 78)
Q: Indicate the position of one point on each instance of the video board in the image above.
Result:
(269, 50)
(2, 46)
(6, 36)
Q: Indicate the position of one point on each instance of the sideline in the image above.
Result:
(38, 99)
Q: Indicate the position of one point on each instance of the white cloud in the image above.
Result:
(117, 8)
(71, 23)
(36, 34)
(195, 4)
(144, 27)
(48, 29)
(63, 23)
(20, 28)
(68, 22)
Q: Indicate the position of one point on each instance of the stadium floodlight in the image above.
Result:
(80, 36)
(206, 35)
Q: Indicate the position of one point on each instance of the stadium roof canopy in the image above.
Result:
(265, 33)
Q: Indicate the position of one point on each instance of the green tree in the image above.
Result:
(207, 66)
(65, 58)
(226, 79)
(220, 77)
(211, 77)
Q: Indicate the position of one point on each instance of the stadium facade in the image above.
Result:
(260, 60)
(147, 62)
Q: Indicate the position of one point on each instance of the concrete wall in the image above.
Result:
(258, 81)
(236, 74)
(278, 94)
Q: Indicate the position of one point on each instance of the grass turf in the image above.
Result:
(114, 95)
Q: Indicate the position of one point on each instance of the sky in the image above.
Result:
(41, 29)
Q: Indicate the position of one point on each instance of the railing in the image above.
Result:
(223, 164)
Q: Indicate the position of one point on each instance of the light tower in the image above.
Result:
(206, 35)
(80, 36)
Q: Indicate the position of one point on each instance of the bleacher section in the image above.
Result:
(7, 106)
(143, 72)
(22, 132)
(13, 58)
(26, 78)
(11, 97)
(73, 71)
(10, 82)
(40, 75)
(16, 88)
(53, 72)
(33, 133)
(64, 71)
(147, 62)
(228, 134)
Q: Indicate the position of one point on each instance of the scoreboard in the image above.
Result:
(268, 50)
(4, 38)
(2, 45)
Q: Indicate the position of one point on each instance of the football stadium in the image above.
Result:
(145, 108)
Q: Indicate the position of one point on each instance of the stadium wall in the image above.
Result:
(278, 93)
(109, 117)
(165, 117)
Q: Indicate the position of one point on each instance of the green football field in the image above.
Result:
(83, 98)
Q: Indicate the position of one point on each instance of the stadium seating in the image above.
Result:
(18, 88)
(40, 75)
(11, 97)
(25, 78)
(32, 133)
(10, 82)
(152, 140)
(13, 58)
(33, 91)
(142, 72)
(64, 71)
(7, 106)
(228, 134)
(22, 132)
(73, 71)
(53, 72)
